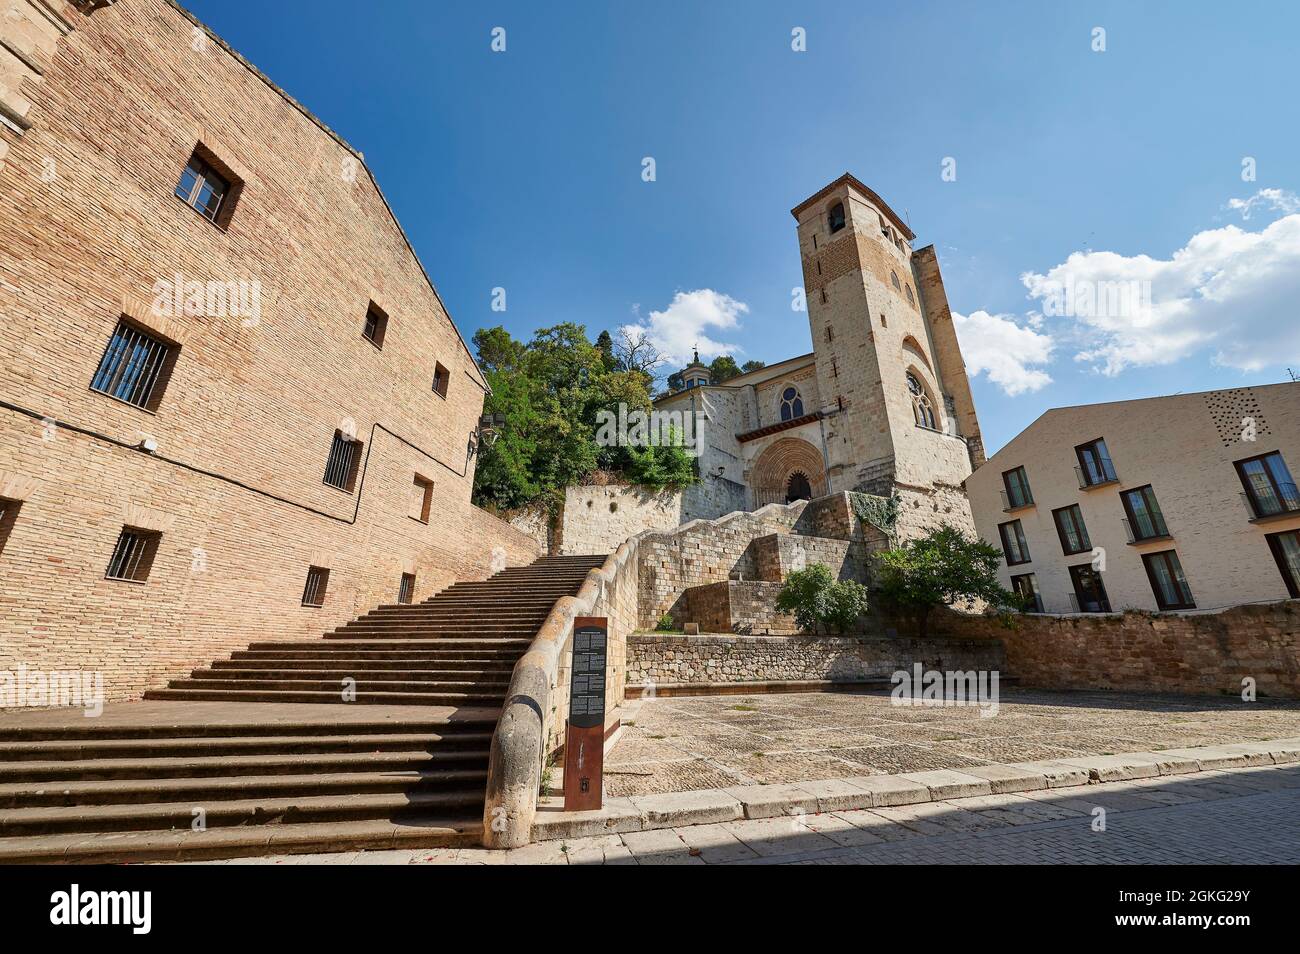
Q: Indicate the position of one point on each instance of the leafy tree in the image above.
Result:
(551, 391)
(605, 345)
(676, 382)
(944, 567)
(749, 366)
(815, 597)
(723, 368)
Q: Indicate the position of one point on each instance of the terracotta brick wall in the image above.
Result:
(88, 225)
(1140, 652)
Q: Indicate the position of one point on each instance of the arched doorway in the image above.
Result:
(788, 469)
(797, 487)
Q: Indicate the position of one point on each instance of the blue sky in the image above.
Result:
(522, 169)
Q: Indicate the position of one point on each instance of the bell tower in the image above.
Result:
(896, 404)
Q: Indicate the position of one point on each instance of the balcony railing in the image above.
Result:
(1101, 471)
(1017, 502)
(1151, 528)
(1264, 506)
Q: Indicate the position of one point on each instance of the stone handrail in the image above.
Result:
(519, 744)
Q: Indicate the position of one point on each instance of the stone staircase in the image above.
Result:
(195, 771)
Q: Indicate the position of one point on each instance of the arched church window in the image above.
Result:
(911, 299)
(791, 404)
(835, 218)
(893, 277)
(798, 487)
(922, 409)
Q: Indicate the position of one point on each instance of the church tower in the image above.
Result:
(895, 401)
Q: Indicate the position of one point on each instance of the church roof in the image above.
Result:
(867, 193)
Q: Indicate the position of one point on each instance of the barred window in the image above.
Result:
(406, 589)
(341, 468)
(133, 556)
(318, 578)
(135, 367)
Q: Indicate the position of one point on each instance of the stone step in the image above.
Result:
(82, 749)
(415, 831)
(419, 644)
(358, 662)
(226, 766)
(466, 721)
(369, 698)
(312, 681)
(220, 814)
(441, 677)
(467, 626)
(324, 655)
(206, 791)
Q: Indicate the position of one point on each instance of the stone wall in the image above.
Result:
(596, 519)
(779, 554)
(733, 607)
(695, 660)
(1145, 652)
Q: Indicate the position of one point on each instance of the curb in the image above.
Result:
(710, 806)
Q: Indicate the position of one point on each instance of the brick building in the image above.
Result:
(233, 404)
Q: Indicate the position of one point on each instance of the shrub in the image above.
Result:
(665, 624)
(814, 597)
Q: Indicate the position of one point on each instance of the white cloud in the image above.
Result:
(1004, 350)
(1273, 200)
(1227, 290)
(684, 324)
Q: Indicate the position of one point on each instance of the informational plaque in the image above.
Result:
(584, 743)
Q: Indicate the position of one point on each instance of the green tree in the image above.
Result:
(815, 598)
(723, 368)
(943, 568)
(749, 366)
(605, 345)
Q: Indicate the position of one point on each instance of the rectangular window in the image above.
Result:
(441, 380)
(1089, 591)
(135, 367)
(376, 325)
(133, 556)
(1016, 491)
(1145, 521)
(341, 468)
(406, 588)
(421, 498)
(1026, 587)
(318, 578)
(1286, 551)
(1070, 528)
(1094, 464)
(8, 517)
(1270, 490)
(1013, 543)
(205, 190)
(1167, 580)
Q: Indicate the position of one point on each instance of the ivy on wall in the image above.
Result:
(879, 512)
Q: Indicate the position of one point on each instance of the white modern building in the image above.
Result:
(1169, 503)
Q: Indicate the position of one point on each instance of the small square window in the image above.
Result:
(133, 556)
(208, 187)
(136, 367)
(406, 588)
(441, 380)
(421, 498)
(341, 468)
(318, 579)
(375, 326)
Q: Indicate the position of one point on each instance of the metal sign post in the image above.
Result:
(584, 740)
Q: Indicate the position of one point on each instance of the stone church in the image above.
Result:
(881, 404)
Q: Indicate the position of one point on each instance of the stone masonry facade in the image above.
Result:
(224, 470)
(704, 660)
(1208, 653)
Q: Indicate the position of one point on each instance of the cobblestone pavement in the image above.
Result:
(698, 742)
(1242, 816)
